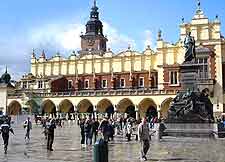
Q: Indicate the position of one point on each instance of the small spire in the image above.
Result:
(6, 69)
(43, 54)
(33, 53)
(217, 17)
(129, 47)
(160, 34)
(199, 4)
(148, 47)
(58, 54)
(182, 20)
(95, 4)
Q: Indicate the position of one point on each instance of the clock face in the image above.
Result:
(91, 42)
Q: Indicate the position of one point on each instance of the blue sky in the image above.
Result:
(55, 25)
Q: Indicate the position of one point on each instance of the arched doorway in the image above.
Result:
(85, 106)
(165, 107)
(148, 108)
(14, 108)
(126, 106)
(33, 107)
(66, 108)
(48, 107)
(105, 106)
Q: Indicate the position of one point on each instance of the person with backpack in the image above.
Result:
(27, 126)
(88, 131)
(4, 130)
(50, 127)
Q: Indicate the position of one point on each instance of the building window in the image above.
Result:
(174, 77)
(203, 70)
(122, 83)
(70, 84)
(141, 82)
(40, 84)
(25, 85)
(104, 83)
(86, 84)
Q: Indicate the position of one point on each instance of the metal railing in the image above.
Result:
(83, 93)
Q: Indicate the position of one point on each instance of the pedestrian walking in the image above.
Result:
(104, 128)
(144, 135)
(95, 129)
(82, 132)
(111, 129)
(88, 131)
(4, 130)
(50, 134)
(27, 126)
(129, 131)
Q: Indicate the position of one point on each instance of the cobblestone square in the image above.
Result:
(67, 148)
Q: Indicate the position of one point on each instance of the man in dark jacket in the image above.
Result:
(88, 131)
(81, 123)
(104, 127)
(50, 134)
(95, 129)
(5, 129)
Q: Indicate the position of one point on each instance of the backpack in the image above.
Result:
(5, 129)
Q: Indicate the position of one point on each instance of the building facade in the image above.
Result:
(96, 80)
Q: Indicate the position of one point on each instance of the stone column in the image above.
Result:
(159, 112)
(137, 113)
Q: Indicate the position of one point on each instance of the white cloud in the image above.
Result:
(59, 37)
(65, 38)
(117, 41)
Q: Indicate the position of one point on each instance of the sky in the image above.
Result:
(55, 26)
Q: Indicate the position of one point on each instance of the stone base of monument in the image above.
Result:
(189, 74)
(191, 130)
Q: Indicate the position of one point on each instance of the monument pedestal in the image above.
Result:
(189, 75)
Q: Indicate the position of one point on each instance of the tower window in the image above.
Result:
(25, 85)
(40, 84)
(141, 82)
(70, 84)
(122, 83)
(104, 83)
(86, 84)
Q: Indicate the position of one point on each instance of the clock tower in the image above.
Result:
(93, 41)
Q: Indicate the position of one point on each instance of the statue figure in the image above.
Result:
(189, 44)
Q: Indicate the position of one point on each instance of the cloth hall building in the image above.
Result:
(96, 80)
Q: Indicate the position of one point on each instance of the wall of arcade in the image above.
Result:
(139, 102)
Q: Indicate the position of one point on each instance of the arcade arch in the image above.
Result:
(105, 106)
(48, 107)
(165, 107)
(14, 108)
(66, 106)
(126, 106)
(85, 106)
(148, 108)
